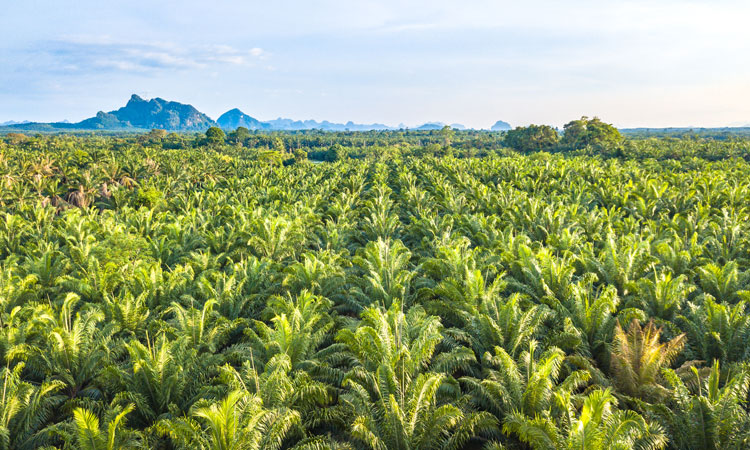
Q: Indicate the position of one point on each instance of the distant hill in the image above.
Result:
(431, 126)
(290, 124)
(135, 115)
(156, 113)
(234, 118)
(500, 126)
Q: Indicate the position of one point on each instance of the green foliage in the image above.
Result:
(704, 414)
(533, 138)
(428, 289)
(239, 136)
(585, 132)
(215, 136)
(336, 153)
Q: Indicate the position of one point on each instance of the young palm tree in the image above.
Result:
(77, 350)
(88, 433)
(717, 330)
(599, 426)
(24, 408)
(387, 277)
(298, 328)
(591, 316)
(502, 323)
(396, 402)
(284, 389)
(637, 358)
(162, 378)
(711, 418)
(238, 422)
(531, 387)
(714, 417)
(663, 296)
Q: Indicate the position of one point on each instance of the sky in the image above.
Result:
(654, 63)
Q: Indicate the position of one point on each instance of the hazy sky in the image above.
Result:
(632, 63)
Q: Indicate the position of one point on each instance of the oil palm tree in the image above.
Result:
(708, 415)
(77, 350)
(717, 330)
(25, 408)
(88, 433)
(238, 422)
(638, 356)
(533, 386)
(598, 426)
(386, 276)
(396, 401)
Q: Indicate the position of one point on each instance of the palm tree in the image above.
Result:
(276, 238)
(77, 350)
(238, 422)
(89, 434)
(386, 275)
(589, 314)
(298, 328)
(396, 402)
(711, 418)
(717, 330)
(724, 283)
(282, 388)
(663, 297)
(24, 408)
(638, 356)
(531, 387)
(502, 323)
(621, 262)
(162, 378)
(598, 426)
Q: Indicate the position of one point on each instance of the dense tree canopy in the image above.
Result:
(215, 136)
(533, 138)
(584, 132)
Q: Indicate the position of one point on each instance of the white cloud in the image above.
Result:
(79, 52)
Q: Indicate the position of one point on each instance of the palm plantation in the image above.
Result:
(158, 293)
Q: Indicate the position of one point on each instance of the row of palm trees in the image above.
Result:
(201, 299)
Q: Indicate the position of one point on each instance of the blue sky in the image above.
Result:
(632, 63)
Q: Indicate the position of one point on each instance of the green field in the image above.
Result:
(417, 290)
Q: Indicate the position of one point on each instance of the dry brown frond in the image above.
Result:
(638, 356)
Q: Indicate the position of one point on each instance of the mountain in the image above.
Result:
(13, 122)
(234, 118)
(140, 114)
(136, 114)
(289, 124)
(500, 126)
(155, 113)
(102, 121)
(431, 126)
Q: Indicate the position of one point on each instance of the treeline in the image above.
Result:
(591, 137)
